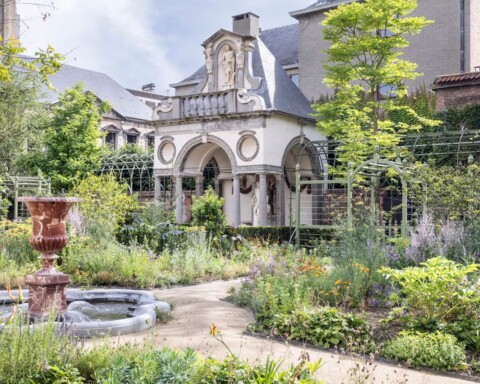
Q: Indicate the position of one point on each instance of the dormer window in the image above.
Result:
(131, 136)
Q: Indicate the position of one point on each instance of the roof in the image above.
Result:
(282, 42)
(103, 86)
(319, 6)
(457, 79)
(277, 89)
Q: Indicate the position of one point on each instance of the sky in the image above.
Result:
(139, 41)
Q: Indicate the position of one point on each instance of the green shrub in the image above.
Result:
(104, 199)
(278, 235)
(434, 350)
(66, 374)
(325, 326)
(14, 243)
(357, 255)
(27, 349)
(207, 212)
(152, 228)
(437, 291)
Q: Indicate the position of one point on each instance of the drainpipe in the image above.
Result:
(462, 36)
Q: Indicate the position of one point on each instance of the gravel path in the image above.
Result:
(196, 307)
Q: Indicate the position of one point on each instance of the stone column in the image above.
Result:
(236, 200)
(280, 185)
(199, 186)
(179, 200)
(262, 200)
(217, 186)
(158, 188)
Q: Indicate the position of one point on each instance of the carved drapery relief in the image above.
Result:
(208, 52)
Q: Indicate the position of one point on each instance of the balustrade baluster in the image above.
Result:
(221, 103)
(214, 104)
(193, 106)
(208, 105)
(201, 106)
(186, 106)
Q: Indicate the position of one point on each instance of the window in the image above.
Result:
(295, 78)
(132, 139)
(150, 142)
(111, 140)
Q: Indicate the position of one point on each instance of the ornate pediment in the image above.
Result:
(228, 58)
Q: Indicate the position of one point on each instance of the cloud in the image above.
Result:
(140, 41)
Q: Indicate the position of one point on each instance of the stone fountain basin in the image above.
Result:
(142, 311)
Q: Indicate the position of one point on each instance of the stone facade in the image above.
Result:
(240, 116)
(437, 50)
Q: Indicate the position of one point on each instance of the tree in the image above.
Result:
(364, 60)
(46, 62)
(22, 117)
(207, 212)
(72, 150)
(20, 112)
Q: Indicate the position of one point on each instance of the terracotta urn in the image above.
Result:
(47, 286)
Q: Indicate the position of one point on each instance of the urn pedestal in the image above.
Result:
(47, 286)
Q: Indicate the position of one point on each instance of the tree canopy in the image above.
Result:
(71, 139)
(368, 76)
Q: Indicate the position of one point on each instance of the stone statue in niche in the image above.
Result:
(208, 58)
(228, 62)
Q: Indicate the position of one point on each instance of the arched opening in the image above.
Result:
(203, 165)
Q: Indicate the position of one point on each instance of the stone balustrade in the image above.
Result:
(203, 105)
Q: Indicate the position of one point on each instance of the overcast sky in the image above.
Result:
(140, 41)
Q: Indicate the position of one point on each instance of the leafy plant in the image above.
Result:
(104, 200)
(207, 212)
(434, 350)
(437, 291)
(323, 326)
(29, 349)
(66, 374)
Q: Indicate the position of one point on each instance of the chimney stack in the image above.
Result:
(246, 24)
(9, 20)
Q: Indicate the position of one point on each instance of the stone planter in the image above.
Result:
(47, 286)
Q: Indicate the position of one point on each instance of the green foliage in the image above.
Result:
(46, 62)
(14, 243)
(437, 291)
(207, 212)
(4, 202)
(66, 374)
(30, 348)
(22, 118)
(324, 326)
(104, 199)
(357, 255)
(110, 263)
(233, 370)
(366, 41)
(152, 228)
(467, 117)
(422, 101)
(437, 350)
(278, 235)
(72, 138)
(452, 192)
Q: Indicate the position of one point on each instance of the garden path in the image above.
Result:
(196, 307)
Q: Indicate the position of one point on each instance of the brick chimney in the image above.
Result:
(246, 24)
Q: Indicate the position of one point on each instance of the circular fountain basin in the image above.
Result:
(100, 312)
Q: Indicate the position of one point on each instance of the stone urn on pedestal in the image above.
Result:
(47, 286)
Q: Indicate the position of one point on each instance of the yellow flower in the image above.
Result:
(338, 282)
(214, 330)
